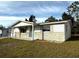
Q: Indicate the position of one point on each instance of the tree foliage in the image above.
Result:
(1, 26)
(26, 19)
(32, 18)
(50, 19)
(65, 16)
(73, 9)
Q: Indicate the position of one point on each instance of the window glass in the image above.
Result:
(23, 29)
(46, 28)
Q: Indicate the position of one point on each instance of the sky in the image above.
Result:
(12, 11)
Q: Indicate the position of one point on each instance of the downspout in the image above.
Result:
(33, 31)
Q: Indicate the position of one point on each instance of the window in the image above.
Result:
(23, 29)
(46, 28)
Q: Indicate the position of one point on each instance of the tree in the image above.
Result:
(26, 19)
(73, 10)
(1, 27)
(32, 18)
(65, 16)
(50, 19)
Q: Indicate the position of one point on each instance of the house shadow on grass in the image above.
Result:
(73, 38)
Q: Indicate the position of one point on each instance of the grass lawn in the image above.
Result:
(22, 48)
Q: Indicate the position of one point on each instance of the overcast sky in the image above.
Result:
(12, 11)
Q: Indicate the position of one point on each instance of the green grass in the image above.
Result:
(22, 48)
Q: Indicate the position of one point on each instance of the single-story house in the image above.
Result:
(58, 31)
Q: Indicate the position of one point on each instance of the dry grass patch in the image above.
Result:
(22, 48)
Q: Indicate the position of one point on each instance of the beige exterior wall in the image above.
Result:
(60, 33)
(54, 36)
(57, 33)
(0, 31)
(51, 35)
(25, 36)
(38, 35)
(15, 33)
